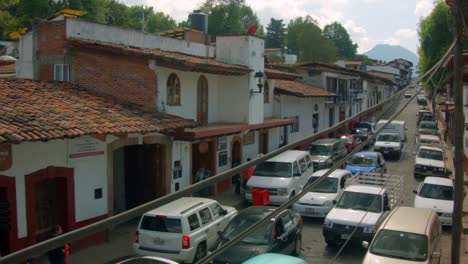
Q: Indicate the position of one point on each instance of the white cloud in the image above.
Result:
(392, 41)
(406, 33)
(424, 8)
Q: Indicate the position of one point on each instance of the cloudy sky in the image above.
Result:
(369, 22)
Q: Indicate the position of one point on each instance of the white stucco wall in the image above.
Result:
(80, 29)
(89, 174)
(268, 108)
(304, 108)
(24, 65)
(181, 150)
(248, 51)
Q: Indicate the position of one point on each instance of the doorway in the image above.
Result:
(203, 156)
(5, 220)
(315, 122)
(263, 142)
(138, 175)
(47, 216)
(202, 101)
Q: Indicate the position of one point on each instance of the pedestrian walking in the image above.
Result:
(57, 256)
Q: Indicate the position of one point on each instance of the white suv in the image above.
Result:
(183, 230)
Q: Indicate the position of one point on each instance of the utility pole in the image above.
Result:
(459, 131)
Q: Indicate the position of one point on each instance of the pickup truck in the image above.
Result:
(363, 205)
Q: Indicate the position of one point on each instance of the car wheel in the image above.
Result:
(297, 246)
(200, 253)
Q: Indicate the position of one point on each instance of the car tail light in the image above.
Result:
(185, 242)
(137, 236)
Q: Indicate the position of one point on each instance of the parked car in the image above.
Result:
(351, 141)
(319, 201)
(408, 94)
(437, 194)
(429, 161)
(426, 116)
(370, 126)
(389, 144)
(182, 230)
(421, 99)
(282, 234)
(428, 127)
(325, 152)
(273, 258)
(363, 134)
(283, 176)
(430, 140)
(146, 260)
(397, 126)
(366, 162)
(408, 235)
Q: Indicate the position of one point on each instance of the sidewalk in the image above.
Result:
(121, 238)
(446, 244)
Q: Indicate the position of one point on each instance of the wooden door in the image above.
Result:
(202, 101)
(5, 222)
(263, 142)
(46, 206)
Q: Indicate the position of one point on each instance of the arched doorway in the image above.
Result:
(202, 100)
(50, 200)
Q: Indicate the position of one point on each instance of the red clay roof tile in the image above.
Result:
(33, 111)
(300, 89)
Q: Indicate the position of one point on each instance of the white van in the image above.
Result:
(283, 176)
(397, 126)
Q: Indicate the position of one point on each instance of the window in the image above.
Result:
(309, 161)
(161, 224)
(266, 93)
(331, 117)
(62, 72)
(173, 90)
(205, 216)
(295, 126)
(216, 210)
(303, 164)
(193, 222)
(296, 168)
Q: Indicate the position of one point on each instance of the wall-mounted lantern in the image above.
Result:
(260, 79)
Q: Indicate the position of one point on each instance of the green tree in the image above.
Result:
(344, 45)
(304, 38)
(364, 59)
(8, 22)
(230, 17)
(275, 34)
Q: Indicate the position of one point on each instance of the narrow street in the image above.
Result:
(315, 249)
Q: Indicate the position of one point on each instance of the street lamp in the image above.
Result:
(260, 79)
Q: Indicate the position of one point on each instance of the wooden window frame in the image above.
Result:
(266, 93)
(173, 96)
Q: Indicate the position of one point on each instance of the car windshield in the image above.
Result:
(439, 192)
(320, 150)
(431, 154)
(327, 185)
(401, 245)
(364, 125)
(360, 201)
(428, 125)
(346, 139)
(389, 138)
(273, 169)
(360, 160)
(242, 222)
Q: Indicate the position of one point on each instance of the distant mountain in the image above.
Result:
(389, 52)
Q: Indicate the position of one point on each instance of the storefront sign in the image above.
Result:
(85, 147)
(5, 157)
(249, 138)
(222, 143)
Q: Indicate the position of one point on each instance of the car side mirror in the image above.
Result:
(365, 244)
(297, 174)
(435, 255)
(334, 202)
(283, 237)
(415, 192)
(386, 208)
(220, 234)
(224, 212)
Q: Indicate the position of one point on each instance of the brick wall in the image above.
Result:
(125, 77)
(50, 48)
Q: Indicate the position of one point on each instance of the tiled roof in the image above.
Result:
(167, 58)
(41, 111)
(280, 75)
(352, 62)
(300, 89)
